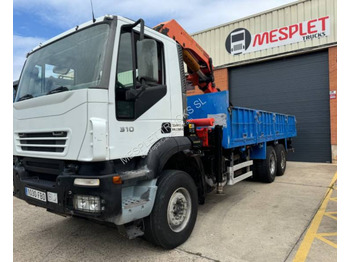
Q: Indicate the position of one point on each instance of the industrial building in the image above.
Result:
(283, 60)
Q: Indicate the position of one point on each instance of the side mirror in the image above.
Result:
(147, 60)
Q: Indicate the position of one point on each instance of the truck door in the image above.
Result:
(139, 107)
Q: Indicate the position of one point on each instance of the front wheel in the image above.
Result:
(175, 210)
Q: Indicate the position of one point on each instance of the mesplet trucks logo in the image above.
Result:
(240, 41)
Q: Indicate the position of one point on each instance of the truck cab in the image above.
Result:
(90, 105)
(84, 85)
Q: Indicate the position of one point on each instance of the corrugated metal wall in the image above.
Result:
(213, 40)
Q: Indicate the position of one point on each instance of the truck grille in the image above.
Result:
(54, 142)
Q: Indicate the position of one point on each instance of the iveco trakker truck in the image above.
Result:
(103, 129)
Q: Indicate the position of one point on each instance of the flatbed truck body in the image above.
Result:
(241, 126)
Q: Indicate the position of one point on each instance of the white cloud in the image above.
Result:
(21, 46)
(193, 15)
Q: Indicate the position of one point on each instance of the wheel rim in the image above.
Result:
(272, 164)
(283, 160)
(179, 209)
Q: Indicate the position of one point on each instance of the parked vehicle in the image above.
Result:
(103, 130)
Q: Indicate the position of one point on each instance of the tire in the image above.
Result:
(174, 212)
(281, 159)
(266, 169)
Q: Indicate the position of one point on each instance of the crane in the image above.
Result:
(199, 63)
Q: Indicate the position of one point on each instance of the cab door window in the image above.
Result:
(134, 96)
(125, 65)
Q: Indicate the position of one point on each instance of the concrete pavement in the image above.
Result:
(251, 221)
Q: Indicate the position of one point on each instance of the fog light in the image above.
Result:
(86, 182)
(87, 203)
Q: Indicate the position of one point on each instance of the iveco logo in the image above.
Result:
(238, 41)
(57, 133)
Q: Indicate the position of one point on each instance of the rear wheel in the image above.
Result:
(175, 210)
(281, 155)
(266, 169)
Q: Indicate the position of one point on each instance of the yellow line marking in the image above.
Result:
(331, 215)
(332, 234)
(333, 181)
(311, 233)
(333, 199)
(322, 238)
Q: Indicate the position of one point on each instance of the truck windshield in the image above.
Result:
(74, 62)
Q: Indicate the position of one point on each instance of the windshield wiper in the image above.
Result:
(58, 90)
(25, 97)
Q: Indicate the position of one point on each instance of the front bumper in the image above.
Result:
(63, 186)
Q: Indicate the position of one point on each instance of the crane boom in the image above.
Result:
(199, 63)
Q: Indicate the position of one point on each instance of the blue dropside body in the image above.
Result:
(241, 126)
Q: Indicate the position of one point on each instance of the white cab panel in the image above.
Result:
(70, 125)
(95, 145)
(129, 139)
(51, 126)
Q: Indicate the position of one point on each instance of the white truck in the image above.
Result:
(102, 131)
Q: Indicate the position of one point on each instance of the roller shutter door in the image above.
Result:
(296, 85)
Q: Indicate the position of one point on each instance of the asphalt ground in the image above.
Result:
(292, 219)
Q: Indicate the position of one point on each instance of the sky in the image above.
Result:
(36, 21)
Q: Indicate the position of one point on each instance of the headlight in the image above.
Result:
(87, 203)
(94, 182)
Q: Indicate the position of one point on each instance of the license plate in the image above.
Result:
(30, 192)
(52, 197)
